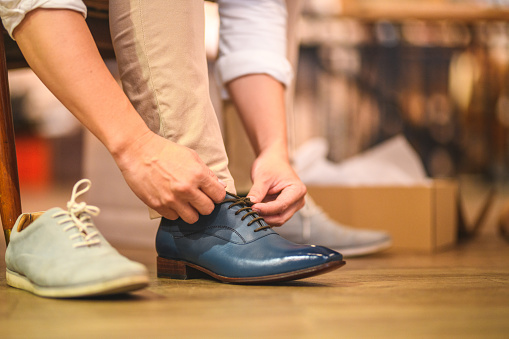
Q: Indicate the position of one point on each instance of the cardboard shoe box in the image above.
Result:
(421, 218)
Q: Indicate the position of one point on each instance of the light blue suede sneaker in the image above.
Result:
(60, 254)
(311, 225)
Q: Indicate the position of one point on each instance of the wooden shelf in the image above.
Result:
(394, 10)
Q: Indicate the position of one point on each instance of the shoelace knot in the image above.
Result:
(79, 216)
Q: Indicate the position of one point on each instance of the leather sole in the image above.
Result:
(177, 269)
(111, 287)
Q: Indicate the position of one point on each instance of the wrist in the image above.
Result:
(123, 146)
(276, 149)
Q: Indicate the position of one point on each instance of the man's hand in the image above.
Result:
(170, 178)
(277, 190)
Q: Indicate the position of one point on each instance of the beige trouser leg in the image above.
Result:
(160, 50)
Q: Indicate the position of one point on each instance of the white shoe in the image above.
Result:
(60, 254)
(311, 225)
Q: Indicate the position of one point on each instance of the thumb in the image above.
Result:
(258, 192)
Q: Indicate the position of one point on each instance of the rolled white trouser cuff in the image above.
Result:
(14, 11)
(252, 40)
(240, 63)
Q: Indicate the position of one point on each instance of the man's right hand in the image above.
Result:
(170, 178)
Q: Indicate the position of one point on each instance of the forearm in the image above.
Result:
(253, 68)
(260, 102)
(59, 48)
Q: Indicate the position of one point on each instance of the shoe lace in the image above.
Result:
(79, 216)
(246, 204)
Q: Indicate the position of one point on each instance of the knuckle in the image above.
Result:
(283, 207)
(156, 204)
(168, 200)
(181, 187)
(199, 174)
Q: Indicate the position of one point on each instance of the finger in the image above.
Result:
(186, 212)
(280, 219)
(286, 199)
(169, 214)
(213, 188)
(202, 203)
(258, 191)
(274, 221)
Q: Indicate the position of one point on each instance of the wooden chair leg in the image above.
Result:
(10, 200)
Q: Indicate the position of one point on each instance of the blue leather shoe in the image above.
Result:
(233, 244)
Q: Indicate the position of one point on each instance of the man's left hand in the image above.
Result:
(277, 190)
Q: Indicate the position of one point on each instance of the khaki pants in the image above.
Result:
(160, 51)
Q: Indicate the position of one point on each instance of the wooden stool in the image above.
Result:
(11, 57)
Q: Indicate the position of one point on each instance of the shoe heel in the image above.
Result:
(174, 269)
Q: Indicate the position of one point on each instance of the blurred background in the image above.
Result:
(435, 71)
(422, 68)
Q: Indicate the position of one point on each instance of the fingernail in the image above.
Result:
(221, 182)
(250, 197)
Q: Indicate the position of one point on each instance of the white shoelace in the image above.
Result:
(79, 216)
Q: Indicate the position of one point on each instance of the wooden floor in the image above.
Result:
(460, 293)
